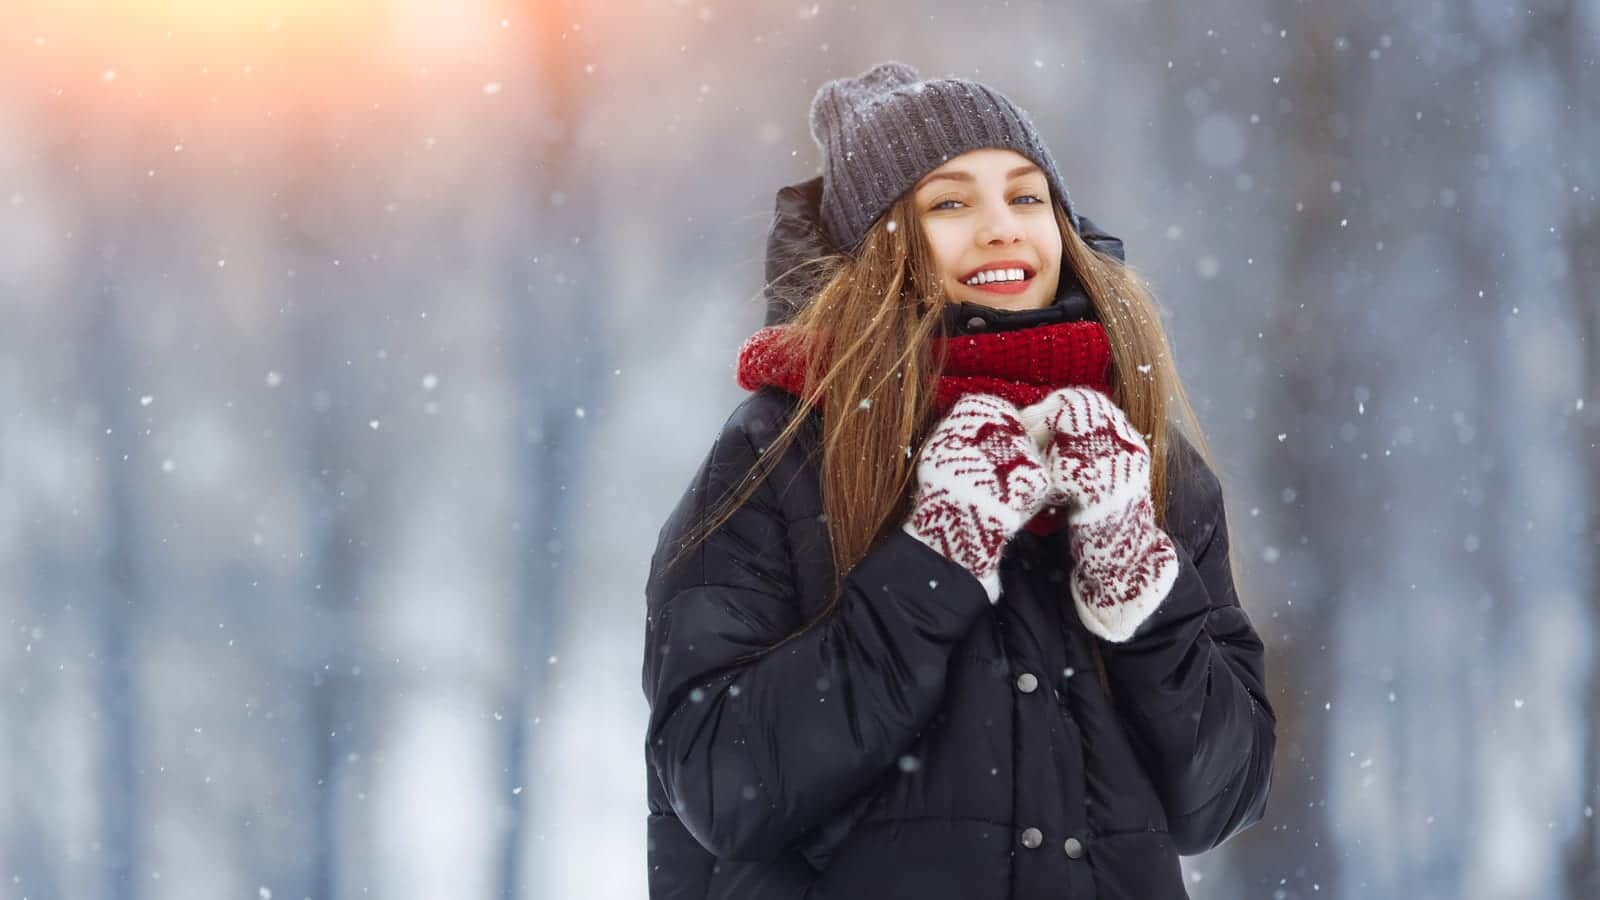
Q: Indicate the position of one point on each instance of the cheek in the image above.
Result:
(945, 245)
(1050, 254)
(1047, 237)
(1051, 257)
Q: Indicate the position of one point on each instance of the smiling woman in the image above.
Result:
(948, 610)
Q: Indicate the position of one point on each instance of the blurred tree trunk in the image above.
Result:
(125, 600)
(1583, 243)
(1573, 46)
(1298, 857)
(557, 298)
(353, 497)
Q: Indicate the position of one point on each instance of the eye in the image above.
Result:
(1033, 197)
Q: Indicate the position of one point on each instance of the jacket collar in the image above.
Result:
(975, 318)
(796, 237)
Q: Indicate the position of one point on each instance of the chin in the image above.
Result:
(1000, 301)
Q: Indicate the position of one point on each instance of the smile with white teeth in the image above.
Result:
(993, 275)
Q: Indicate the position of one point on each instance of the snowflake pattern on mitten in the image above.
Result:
(979, 478)
(1099, 467)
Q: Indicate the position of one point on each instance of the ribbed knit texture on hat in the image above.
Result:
(882, 130)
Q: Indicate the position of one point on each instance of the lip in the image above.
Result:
(1002, 287)
(1027, 270)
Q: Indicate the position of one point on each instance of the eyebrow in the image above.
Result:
(1028, 169)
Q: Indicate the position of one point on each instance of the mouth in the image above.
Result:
(1004, 274)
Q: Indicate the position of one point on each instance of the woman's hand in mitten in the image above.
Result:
(1100, 468)
(979, 478)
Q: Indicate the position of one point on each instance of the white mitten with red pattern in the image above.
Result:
(1100, 467)
(980, 477)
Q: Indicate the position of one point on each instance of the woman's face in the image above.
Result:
(988, 207)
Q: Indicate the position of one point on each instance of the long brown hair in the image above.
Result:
(866, 336)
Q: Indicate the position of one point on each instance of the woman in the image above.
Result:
(948, 610)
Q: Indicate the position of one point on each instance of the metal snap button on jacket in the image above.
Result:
(977, 323)
(1027, 682)
(1032, 837)
(1074, 848)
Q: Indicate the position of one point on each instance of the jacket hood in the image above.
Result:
(797, 237)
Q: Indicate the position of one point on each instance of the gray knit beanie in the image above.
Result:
(884, 129)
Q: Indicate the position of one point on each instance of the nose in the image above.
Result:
(999, 226)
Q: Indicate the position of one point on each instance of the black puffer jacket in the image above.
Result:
(921, 742)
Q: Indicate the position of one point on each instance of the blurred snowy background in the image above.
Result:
(352, 354)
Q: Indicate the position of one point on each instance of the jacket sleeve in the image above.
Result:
(753, 753)
(1190, 687)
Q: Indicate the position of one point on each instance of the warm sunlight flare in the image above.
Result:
(241, 59)
(239, 23)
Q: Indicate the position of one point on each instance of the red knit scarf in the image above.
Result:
(1022, 365)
